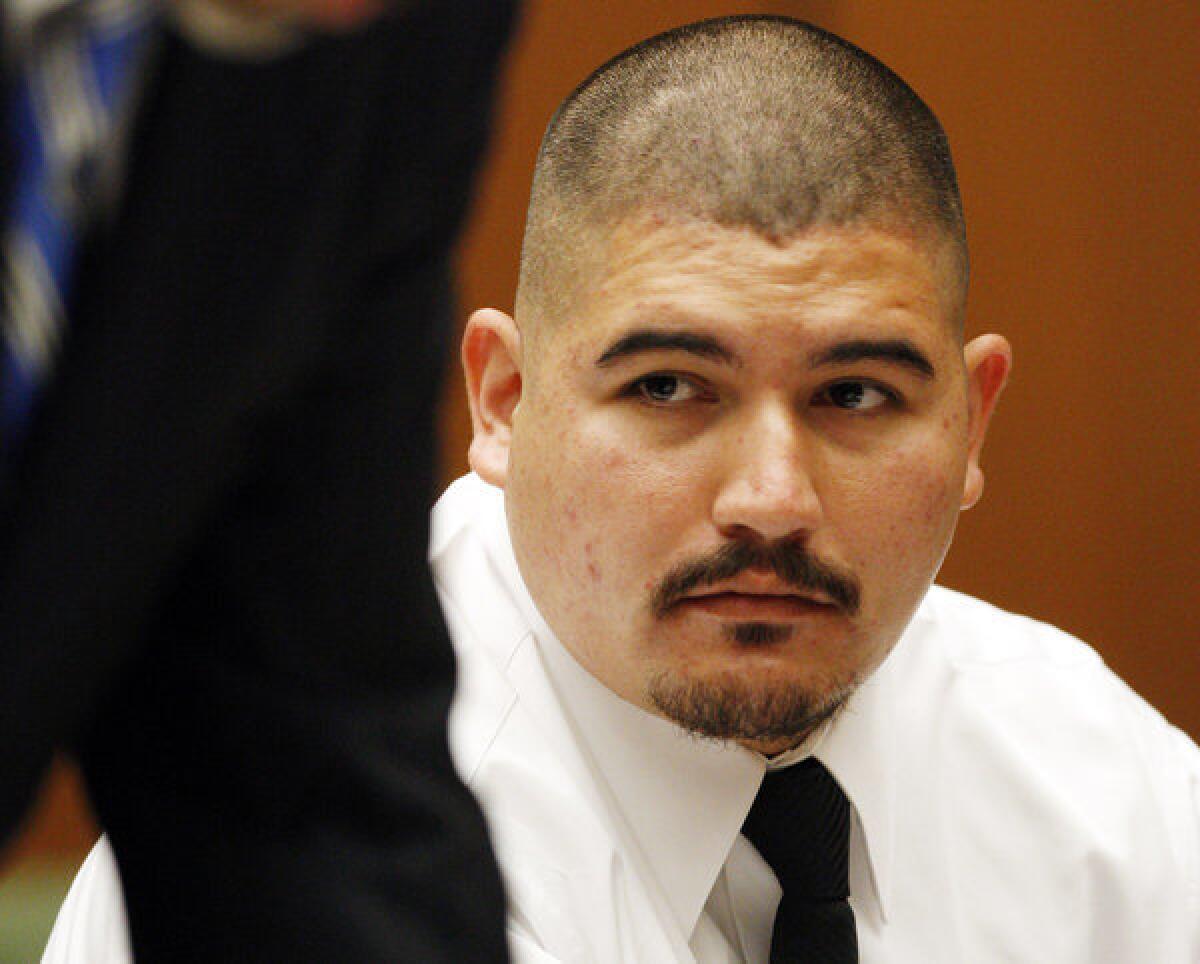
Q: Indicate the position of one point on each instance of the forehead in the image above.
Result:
(677, 272)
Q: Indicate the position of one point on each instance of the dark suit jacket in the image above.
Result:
(213, 584)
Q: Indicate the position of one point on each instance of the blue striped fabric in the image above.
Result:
(66, 104)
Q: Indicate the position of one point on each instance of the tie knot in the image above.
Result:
(800, 824)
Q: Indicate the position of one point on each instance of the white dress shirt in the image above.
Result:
(1013, 800)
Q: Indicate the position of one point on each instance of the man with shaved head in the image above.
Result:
(711, 702)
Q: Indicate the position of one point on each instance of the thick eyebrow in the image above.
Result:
(645, 340)
(898, 351)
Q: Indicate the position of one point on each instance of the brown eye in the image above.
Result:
(664, 389)
(857, 396)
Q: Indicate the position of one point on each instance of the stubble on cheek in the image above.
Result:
(916, 509)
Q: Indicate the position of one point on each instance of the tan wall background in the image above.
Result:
(1074, 128)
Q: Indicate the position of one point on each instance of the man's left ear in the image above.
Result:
(988, 360)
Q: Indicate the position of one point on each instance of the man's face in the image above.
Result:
(733, 473)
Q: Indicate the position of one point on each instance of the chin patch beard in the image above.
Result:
(733, 706)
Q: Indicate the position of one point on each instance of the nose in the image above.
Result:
(768, 489)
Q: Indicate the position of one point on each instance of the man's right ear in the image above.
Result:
(491, 357)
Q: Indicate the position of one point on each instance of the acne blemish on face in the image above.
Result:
(614, 460)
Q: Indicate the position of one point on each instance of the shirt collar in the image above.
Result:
(682, 799)
(859, 749)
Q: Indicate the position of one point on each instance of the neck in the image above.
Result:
(774, 747)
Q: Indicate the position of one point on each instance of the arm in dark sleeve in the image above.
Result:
(214, 583)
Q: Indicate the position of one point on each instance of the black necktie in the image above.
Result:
(800, 823)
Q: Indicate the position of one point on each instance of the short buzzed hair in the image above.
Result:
(762, 122)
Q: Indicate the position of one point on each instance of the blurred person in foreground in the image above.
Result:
(712, 703)
(218, 445)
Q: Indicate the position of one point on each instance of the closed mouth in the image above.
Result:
(756, 606)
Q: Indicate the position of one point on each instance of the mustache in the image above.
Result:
(791, 563)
